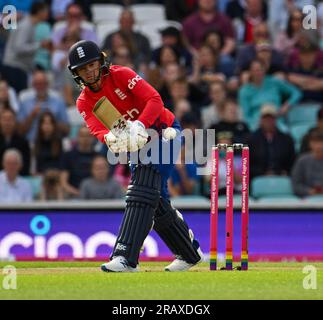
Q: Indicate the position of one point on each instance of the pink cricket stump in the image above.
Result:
(245, 208)
(229, 209)
(214, 208)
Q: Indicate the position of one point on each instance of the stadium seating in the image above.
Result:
(35, 183)
(303, 114)
(109, 13)
(298, 131)
(148, 12)
(271, 186)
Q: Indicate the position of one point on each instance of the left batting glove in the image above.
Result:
(138, 136)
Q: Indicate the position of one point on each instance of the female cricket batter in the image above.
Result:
(147, 199)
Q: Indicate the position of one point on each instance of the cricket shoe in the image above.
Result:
(118, 264)
(181, 265)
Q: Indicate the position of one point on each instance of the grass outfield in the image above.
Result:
(84, 280)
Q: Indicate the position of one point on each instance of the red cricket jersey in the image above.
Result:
(131, 95)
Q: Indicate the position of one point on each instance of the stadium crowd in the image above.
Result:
(246, 68)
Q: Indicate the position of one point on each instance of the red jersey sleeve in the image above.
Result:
(144, 93)
(95, 126)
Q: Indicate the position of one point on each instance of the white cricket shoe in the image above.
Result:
(118, 264)
(181, 265)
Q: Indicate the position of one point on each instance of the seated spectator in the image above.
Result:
(139, 44)
(22, 46)
(262, 89)
(184, 177)
(230, 122)
(182, 107)
(162, 81)
(214, 39)
(305, 147)
(100, 186)
(42, 57)
(182, 89)
(246, 16)
(48, 144)
(208, 17)
(10, 139)
(76, 164)
(213, 112)
(279, 11)
(307, 173)
(122, 57)
(60, 59)
(13, 188)
(177, 10)
(37, 100)
(171, 36)
(271, 151)
(207, 68)
(306, 71)
(286, 39)
(8, 97)
(51, 188)
(122, 174)
(247, 53)
(75, 22)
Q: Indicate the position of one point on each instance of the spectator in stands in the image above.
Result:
(48, 144)
(51, 188)
(208, 67)
(75, 22)
(58, 9)
(213, 112)
(271, 151)
(35, 101)
(76, 164)
(138, 43)
(21, 47)
(163, 81)
(167, 55)
(230, 122)
(280, 10)
(13, 188)
(60, 59)
(215, 40)
(122, 57)
(286, 39)
(184, 178)
(263, 89)
(246, 16)
(305, 147)
(182, 89)
(307, 173)
(207, 17)
(247, 53)
(99, 186)
(182, 107)
(171, 36)
(306, 71)
(177, 10)
(10, 139)
(122, 174)
(8, 97)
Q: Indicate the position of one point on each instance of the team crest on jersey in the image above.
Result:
(120, 94)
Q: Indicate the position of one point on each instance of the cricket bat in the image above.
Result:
(109, 115)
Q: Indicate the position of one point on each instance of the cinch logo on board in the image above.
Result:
(132, 83)
(45, 246)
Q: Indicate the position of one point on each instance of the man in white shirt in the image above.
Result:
(13, 188)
